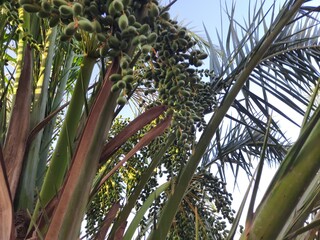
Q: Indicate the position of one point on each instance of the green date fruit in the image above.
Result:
(66, 10)
(128, 78)
(152, 38)
(123, 22)
(153, 10)
(115, 77)
(114, 42)
(121, 84)
(77, 9)
(31, 8)
(70, 29)
(121, 100)
(59, 3)
(54, 21)
(46, 6)
(86, 25)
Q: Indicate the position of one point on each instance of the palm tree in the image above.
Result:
(70, 69)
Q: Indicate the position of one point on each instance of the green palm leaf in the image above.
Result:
(287, 73)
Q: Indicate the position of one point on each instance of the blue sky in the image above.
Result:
(195, 13)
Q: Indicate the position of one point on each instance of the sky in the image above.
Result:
(196, 13)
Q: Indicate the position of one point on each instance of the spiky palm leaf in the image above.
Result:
(286, 75)
(235, 143)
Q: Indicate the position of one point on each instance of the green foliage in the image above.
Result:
(108, 55)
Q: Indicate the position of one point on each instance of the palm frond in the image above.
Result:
(243, 137)
(283, 79)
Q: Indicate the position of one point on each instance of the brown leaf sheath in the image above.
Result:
(16, 140)
(6, 210)
(133, 127)
(67, 217)
(145, 140)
